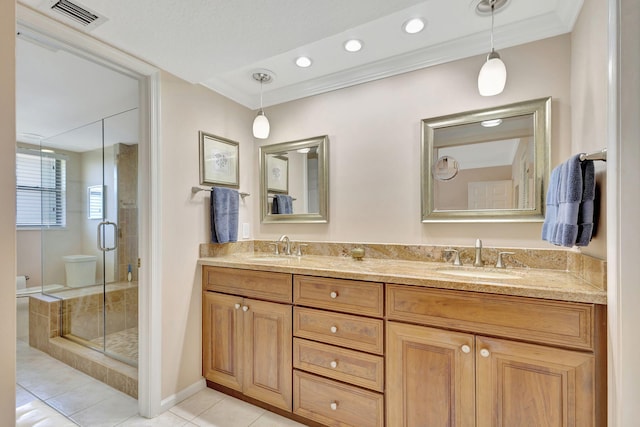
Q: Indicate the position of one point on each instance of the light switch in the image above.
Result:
(246, 230)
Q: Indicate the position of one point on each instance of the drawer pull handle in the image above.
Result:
(466, 349)
(334, 406)
(334, 329)
(485, 353)
(333, 295)
(333, 364)
(245, 308)
(237, 306)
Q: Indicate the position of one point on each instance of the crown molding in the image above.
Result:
(543, 26)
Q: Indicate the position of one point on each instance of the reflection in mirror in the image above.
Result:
(294, 181)
(486, 165)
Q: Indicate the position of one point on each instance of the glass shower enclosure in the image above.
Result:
(93, 254)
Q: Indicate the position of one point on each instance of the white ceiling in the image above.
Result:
(62, 97)
(221, 43)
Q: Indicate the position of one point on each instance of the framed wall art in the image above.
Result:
(219, 161)
(278, 174)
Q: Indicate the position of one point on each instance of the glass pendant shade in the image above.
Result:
(261, 126)
(492, 76)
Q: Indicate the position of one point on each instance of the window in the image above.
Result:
(41, 188)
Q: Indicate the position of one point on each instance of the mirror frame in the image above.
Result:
(322, 142)
(541, 112)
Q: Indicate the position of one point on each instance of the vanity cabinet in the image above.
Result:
(470, 359)
(338, 350)
(247, 341)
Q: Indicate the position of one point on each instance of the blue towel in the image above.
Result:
(282, 204)
(570, 204)
(569, 198)
(224, 215)
(549, 226)
(586, 213)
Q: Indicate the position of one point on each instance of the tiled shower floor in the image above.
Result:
(123, 343)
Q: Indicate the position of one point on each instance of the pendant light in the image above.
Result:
(493, 74)
(261, 123)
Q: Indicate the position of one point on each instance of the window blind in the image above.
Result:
(41, 189)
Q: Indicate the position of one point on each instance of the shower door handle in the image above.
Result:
(101, 228)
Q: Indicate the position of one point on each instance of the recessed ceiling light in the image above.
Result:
(303, 62)
(413, 26)
(491, 123)
(352, 45)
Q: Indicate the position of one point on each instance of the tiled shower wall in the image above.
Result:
(83, 315)
(127, 182)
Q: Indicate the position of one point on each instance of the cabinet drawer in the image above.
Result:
(553, 322)
(336, 404)
(248, 283)
(359, 333)
(350, 296)
(354, 367)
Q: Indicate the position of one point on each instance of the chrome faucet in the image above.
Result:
(499, 261)
(478, 261)
(456, 259)
(287, 244)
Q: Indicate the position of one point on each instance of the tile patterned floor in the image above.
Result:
(52, 394)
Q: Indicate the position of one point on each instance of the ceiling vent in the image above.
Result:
(79, 14)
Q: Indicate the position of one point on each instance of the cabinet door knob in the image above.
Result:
(334, 329)
(245, 308)
(465, 349)
(333, 294)
(333, 364)
(334, 406)
(485, 353)
(237, 306)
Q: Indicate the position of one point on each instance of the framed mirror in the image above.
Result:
(294, 181)
(487, 165)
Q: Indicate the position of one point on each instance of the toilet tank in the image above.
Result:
(80, 270)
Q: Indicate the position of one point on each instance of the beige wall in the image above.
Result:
(7, 214)
(454, 194)
(589, 82)
(186, 109)
(374, 132)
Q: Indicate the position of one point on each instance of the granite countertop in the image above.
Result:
(535, 283)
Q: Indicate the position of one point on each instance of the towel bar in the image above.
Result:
(271, 196)
(598, 155)
(195, 190)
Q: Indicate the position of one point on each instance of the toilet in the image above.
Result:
(80, 270)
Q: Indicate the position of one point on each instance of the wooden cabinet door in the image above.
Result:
(222, 331)
(268, 352)
(430, 377)
(529, 385)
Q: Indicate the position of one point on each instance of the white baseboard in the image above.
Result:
(183, 394)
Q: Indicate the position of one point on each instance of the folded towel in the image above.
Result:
(570, 204)
(551, 212)
(569, 198)
(586, 213)
(282, 204)
(224, 215)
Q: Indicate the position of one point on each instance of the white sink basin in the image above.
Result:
(479, 273)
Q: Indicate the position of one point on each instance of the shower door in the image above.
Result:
(100, 310)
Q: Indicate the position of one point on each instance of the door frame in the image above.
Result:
(150, 178)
